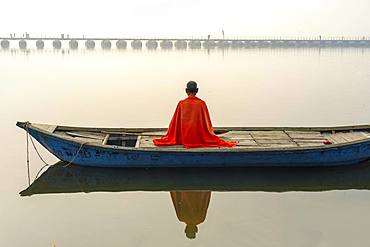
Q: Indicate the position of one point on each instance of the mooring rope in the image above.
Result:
(28, 160)
(39, 155)
(34, 146)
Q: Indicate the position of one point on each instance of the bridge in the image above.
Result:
(179, 43)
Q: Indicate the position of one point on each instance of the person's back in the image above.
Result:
(191, 124)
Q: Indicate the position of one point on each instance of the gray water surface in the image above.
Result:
(253, 87)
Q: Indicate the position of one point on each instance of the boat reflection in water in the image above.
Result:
(190, 188)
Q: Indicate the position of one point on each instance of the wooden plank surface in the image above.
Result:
(88, 140)
(335, 139)
(302, 132)
(47, 127)
(154, 133)
(309, 137)
(278, 145)
(146, 141)
(246, 143)
(236, 135)
(309, 140)
(310, 144)
(343, 137)
(352, 136)
(268, 139)
(268, 133)
(85, 135)
(273, 141)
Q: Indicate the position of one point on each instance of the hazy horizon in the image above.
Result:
(166, 18)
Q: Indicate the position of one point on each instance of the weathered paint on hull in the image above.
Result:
(116, 157)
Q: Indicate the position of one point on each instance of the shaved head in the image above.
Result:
(191, 87)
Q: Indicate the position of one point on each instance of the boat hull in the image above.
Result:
(98, 156)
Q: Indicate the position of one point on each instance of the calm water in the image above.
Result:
(256, 87)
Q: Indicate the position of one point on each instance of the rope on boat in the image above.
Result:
(74, 157)
(39, 155)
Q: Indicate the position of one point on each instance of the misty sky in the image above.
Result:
(167, 18)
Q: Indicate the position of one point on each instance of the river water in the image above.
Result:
(249, 87)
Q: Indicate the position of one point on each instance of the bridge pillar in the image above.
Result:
(209, 44)
(181, 44)
(237, 44)
(90, 44)
(22, 44)
(223, 44)
(40, 44)
(5, 44)
(57, 44)
(151, 44)
(73, 44)
(136, 44)
(166, 44)
(121, 44)
(195, 44)
(106, 44)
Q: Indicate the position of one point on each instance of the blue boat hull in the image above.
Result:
(98, 156)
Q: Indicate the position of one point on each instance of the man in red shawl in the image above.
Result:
(191, 124)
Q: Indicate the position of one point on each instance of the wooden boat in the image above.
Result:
(60, 178)
(258, 146)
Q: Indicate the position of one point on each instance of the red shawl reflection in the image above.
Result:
(191, 208)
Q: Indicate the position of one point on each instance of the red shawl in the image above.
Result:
(191, 126)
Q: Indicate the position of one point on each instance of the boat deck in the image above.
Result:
(245, 138)
(276, 139)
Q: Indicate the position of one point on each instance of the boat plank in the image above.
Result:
(352, 136)
(154, 133)
(273, 141)
(300, 136)
(85, 135)
(236, 136)
(335, 139)
(272, 138)
(46, 127)
(146, 141)
(235, 133)
(343, 137)
(246, 143)
(87, 140)
(278, 145)
(268, 133)
(310, 140)
(303, 132)
(310, 144)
